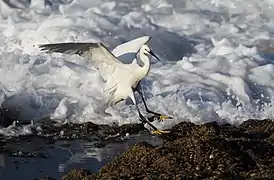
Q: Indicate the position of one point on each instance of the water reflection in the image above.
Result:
(55, 159)
(2, 163)
(83, 151)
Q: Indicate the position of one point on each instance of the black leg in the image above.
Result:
(143, 99)
(139, 90)
(143, 119)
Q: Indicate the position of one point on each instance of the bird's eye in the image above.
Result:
(146, 52)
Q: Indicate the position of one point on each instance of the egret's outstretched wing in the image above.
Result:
(103, 59)
(95, 51)
(126, 52)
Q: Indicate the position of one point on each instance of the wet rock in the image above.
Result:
(22, 154)
(260, 129)
(47, 178)
(88, 131)
(79, 174)
(6, 117)
(206, 151)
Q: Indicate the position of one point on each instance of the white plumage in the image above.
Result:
(121, 80)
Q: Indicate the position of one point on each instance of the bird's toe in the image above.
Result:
(159, 132)
(163, 117)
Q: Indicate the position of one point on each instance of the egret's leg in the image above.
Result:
(144, 120)
(161, 117)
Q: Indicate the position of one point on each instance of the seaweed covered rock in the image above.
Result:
(205, 151)
(79, 174)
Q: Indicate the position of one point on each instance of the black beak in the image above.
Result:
(154, 55)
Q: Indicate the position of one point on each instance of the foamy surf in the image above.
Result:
(213, 70)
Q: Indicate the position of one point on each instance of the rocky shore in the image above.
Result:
(207, 151)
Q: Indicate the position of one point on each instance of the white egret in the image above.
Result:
(121, 80)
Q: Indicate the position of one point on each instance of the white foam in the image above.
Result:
(225, 79)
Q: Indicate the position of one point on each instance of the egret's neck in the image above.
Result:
(146, 63)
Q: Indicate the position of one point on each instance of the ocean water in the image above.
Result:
(214, 64)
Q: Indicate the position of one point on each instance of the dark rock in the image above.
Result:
(47, 178)
(6, 118)
(78, 174)
(206, 151)
(88, 131)
(260, 129)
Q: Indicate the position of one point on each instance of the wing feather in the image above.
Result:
(127, 51)
(132, 46)
(103, 59)
(68, 48)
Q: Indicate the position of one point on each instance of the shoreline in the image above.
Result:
(207, 151)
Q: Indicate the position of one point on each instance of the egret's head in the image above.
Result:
(146, 50)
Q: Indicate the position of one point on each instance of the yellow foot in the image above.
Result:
(160, 132)
(163, 117)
